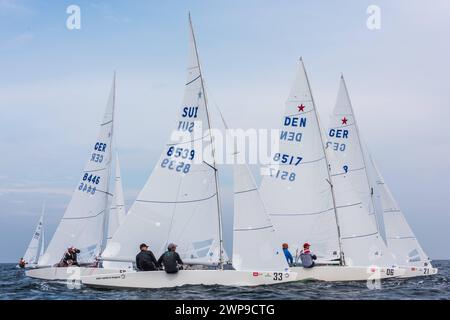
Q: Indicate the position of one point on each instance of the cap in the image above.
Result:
(171, 246)
(143, 245)
(306, 244)
(285, 245)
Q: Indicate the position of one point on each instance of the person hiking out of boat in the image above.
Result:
(145, 259)
(287, 254)
(307, 257)
(22, 263)
(171, 259)
(70, 258)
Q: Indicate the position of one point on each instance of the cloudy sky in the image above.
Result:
(54, 83)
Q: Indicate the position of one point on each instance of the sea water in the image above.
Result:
(15, 285)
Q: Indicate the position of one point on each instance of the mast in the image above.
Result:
(216, 176)
(341, 253)
(363, 155)
(104, 238)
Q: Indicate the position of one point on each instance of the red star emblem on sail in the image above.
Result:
(301, 108)
(344, 120)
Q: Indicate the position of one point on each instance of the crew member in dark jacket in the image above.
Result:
(171, 259)
(70, 258)
(145, 260)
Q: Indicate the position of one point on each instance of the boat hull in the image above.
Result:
(346, 273)
(70, 273)
(161, 279)
(413, 272)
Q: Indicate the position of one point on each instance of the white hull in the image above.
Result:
(160, 279)
(345, 273)
(413, 272)
(71, 273)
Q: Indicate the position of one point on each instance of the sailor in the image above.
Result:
(307, 257)
(70, 258)
(145, 260)
(287, 254)
(171, 259)
(22, 263)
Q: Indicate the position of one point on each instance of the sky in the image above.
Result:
(54, 83)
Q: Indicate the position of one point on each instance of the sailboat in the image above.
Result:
(400, 238)
(307, 204)
(345, 143)
(181, 203)
(35, 248)
(85, 221)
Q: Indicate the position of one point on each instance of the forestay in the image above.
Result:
(401, 240)
(179, 202)
(84, 222)
(296, 188)
(255, 246)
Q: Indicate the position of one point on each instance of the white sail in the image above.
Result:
(179, 203)
(361, 243)
(33, 251)
(85, 219)
(343, 139)
(117, 212)
(255, 245)
(296, 188)
(401, 240)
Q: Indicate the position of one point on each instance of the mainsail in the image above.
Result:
(36, 245)
(360, 237)
(255, 246)
(180, 201)
(117, 212)
(85, 219)
(343, 139)
(296, 188)
(400, 238)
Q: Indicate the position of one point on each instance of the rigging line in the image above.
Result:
(187, 201)
(104, 124)
(343, 173)
(244, 191)
(85, 217)
(297, 114)
(360, 236)
(190, 141)
(173, 212)
(348, 205)
(96, 170)
(391, 210)
(254, 229)
(198, 77)
(299, 214)
(401, 238)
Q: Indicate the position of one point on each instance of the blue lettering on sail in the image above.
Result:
(294, 122)
(185, 126)
(291, 136)
(190, 112)
(338, 133)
